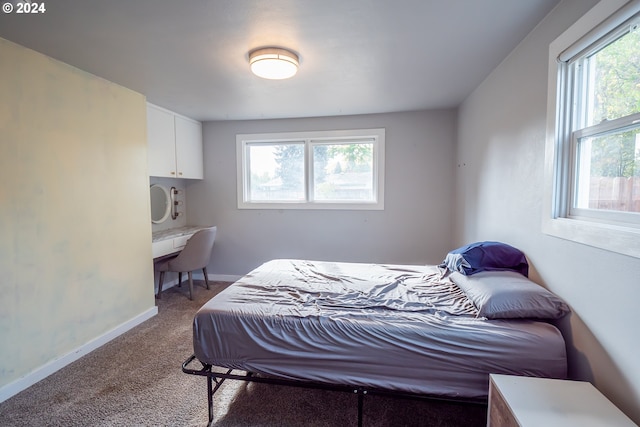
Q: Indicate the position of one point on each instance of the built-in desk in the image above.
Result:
(171, 241)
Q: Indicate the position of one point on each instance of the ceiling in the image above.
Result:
(356, 56)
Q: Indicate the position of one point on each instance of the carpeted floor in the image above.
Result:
(136, 380)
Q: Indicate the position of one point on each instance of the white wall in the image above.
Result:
(499, 192)
(75, 232)
(415, 226)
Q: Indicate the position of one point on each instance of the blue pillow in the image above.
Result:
(486, 256)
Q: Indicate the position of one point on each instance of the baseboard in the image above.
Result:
(49, 368)
(212, 277)
(223, 277)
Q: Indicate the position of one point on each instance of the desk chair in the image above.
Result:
(194, 256)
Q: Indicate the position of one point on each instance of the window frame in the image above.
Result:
(605, 230)
(310, 140)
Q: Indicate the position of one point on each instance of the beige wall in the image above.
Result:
(499, 196)
(75, 232)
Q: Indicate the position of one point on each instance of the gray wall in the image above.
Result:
(414, 227)
(499, 196)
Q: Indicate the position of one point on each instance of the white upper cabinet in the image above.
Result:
(161, 141)
(188, 148)
(175, 144)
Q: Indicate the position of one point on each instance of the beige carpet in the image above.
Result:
(136, 380)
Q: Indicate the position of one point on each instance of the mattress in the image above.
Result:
(393, 327)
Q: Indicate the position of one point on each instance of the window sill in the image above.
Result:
(614, 238)
(374, 206)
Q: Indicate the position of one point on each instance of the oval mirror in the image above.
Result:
(160, 203)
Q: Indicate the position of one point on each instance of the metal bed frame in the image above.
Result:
(219, 377)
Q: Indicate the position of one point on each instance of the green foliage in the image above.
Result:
(258, 180)
(290, 160)
(354, 154)
(617, 80)
(345, 157)
(616, 94)
(615, 156)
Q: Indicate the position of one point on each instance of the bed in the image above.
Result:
(406, 329)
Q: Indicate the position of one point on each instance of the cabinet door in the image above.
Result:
(189, 148)
(161, 142)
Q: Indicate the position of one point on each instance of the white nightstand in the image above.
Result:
(525, 401)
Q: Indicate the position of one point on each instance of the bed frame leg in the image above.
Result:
(211, 390)
(210, 398)
(360, 394)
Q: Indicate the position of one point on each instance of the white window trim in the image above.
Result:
(604, 16)
(378, 135)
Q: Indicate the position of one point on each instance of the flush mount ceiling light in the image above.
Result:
(273, 63)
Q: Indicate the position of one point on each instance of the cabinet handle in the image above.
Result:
(173, 173)
(179, 173)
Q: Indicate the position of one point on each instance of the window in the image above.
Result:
(593, 143)
(605, 127)
(311, 170)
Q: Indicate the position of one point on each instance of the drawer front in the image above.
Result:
(180, 242)
(162, 247)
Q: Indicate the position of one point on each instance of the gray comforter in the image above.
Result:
(395, 327)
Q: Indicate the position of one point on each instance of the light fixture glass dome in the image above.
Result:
(273, 63)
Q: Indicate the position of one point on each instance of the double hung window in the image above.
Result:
(311, 170)
(593, 145)
(605, 128)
